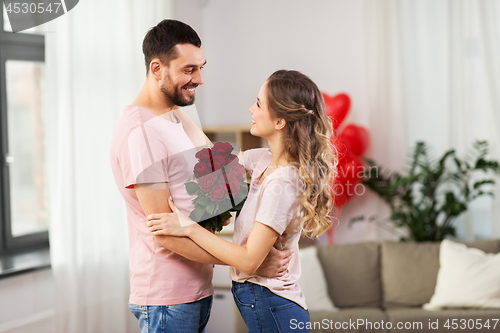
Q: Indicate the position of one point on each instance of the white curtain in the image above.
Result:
(386, 120)
(94, 67)
(434, 75)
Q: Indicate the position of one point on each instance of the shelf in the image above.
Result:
(239, 134)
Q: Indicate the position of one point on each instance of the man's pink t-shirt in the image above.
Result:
(276, 203)
(150, 149)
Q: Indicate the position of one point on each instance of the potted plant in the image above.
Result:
(433, 193)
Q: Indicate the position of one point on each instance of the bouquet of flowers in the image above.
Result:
(219, 185)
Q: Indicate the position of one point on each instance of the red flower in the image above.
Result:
(204, 155)
(206, 182)
(233, 185)
(222, 148)
(217, 193)
(237, 170)
(219, 162)
(231, 158)
(201, 169)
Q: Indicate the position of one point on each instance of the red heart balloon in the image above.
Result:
(337, 107)
(349, 174)
(356, 138)
(343, 191)
(351, 169)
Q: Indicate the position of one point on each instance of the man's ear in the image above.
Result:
(155, 67)
(280, 124)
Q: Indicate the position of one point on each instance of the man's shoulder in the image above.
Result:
(129, 123)
(133, 116)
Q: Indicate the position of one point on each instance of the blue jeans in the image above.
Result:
(264, 311)
(180, 318)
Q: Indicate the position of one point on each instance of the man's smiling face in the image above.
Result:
(183, 74)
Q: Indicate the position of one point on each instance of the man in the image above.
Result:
(152, 155)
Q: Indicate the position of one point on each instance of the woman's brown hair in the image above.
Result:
(295, 98)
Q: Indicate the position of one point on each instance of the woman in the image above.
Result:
(289, 194)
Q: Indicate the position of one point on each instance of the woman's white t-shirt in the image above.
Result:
(276, 203)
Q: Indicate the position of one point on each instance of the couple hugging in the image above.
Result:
(171, 257)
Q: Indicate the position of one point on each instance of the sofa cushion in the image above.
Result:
(409, 271)
(409, 316)
(346, 320)
(488, 246)
(312, 281)
(467, 277)
(352, 272)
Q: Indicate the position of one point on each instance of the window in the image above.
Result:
(23, 188)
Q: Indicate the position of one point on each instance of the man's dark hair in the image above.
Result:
(160, 41)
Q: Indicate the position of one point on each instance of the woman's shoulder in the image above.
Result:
(286, 177)
(255, 154)
(252, 156)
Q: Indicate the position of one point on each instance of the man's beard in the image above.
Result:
(174, 93)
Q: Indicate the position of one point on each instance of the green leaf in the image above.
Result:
(224, 206)
(192, 187)
(202, 200)
(208, 223)
(210, 207)
(450, 197)
(197, 213)
(225, 216)
(483, 182)
(458, 163)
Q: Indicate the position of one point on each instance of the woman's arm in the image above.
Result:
(154, 198)
(247, 259)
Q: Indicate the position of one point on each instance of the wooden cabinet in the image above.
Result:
(239, 134)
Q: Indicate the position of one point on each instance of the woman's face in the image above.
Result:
(263, 123)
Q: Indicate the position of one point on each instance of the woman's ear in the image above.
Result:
(280, 124)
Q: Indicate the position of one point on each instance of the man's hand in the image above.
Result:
(276, 262)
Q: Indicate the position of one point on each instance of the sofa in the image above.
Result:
(381, 287)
